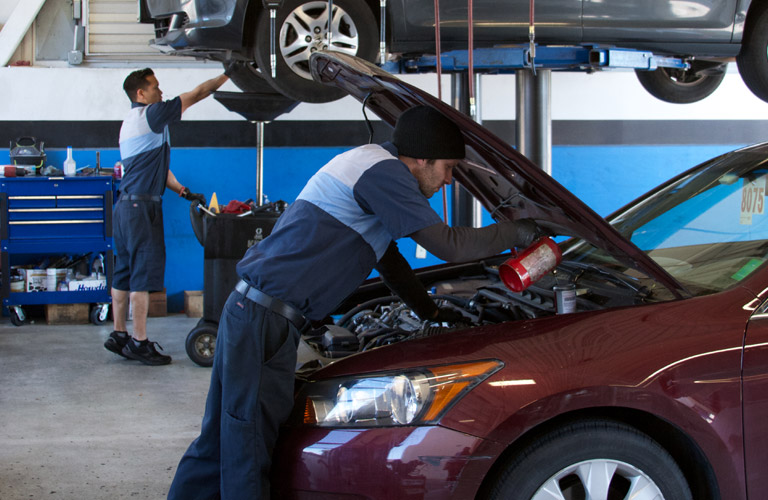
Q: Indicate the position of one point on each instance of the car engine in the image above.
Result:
(480, 298)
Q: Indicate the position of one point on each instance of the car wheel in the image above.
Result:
(201, 343)
(301, 27)
(681, 86)
(752, 61)
(592, 459)
(248, 78)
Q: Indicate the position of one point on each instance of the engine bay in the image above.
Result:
(374, 317)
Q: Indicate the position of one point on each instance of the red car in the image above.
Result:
(655, 386)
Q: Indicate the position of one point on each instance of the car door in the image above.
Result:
(755, 382)
(495, 22)
(659, 20)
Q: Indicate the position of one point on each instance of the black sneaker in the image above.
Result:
(116, 341)
(145, 352)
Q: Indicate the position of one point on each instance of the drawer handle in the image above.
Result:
(28, 210)
(34, 222)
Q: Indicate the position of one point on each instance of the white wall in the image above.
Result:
(80, 93)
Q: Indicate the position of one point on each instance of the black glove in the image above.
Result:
(189, 196)
(447, 315)
(527, 232)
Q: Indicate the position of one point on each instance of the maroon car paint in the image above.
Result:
(383, 463)
(569, 359)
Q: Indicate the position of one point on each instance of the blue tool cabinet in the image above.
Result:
(42, 216)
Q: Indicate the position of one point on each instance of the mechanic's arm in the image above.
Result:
(174, 185)
(461, 244)
(397, 274)
(202, 91)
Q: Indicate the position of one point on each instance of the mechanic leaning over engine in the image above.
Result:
(343, 224)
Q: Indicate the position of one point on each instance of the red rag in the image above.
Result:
(235, 207)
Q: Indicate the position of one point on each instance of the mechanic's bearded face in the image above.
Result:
(433, 174)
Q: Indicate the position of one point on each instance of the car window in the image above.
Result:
(709, 229)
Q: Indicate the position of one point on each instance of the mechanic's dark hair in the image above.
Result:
(135, 81)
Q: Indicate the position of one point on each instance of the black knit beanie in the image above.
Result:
(424, 132)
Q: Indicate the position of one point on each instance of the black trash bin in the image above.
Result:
(225, 239)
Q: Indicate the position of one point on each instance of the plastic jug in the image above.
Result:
(69, 163)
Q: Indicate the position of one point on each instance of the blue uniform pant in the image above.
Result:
(250, 395)
(139, 246)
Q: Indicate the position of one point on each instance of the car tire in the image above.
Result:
(293, 78)
(681, 86)
(558, 463)
(247, 77)
(752, 61)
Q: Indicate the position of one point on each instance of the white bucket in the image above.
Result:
(53, 277)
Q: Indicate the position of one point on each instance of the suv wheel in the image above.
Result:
(682, 86)
(302, 28)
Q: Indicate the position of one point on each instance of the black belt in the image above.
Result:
(275, 305)
(141, 197)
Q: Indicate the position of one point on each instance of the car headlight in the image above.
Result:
(413, 397)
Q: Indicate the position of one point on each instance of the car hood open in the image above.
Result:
(507, 184)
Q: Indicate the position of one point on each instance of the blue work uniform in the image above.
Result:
(321, 249)
(145, 150)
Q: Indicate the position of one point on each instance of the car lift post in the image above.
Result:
(533, 117)
(467, 211)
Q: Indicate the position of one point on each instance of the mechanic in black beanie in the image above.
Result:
(344, 223)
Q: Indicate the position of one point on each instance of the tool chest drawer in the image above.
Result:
(56, 208)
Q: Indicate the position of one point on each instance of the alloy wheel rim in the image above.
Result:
(683, 77)
(305, 31)
(599, 478)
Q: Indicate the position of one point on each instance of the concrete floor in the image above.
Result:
(78, 422)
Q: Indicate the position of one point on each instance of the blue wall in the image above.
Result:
(604, 177)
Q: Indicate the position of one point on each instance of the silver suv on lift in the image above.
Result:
(707, 34)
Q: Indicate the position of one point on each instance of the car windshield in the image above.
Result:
(708, 229)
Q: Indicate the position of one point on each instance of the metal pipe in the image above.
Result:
(259, 163)
(534, 119)
(464, 210)
(383, 32)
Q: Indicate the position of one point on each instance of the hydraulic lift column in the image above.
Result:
(466, 211)
(533, 121)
